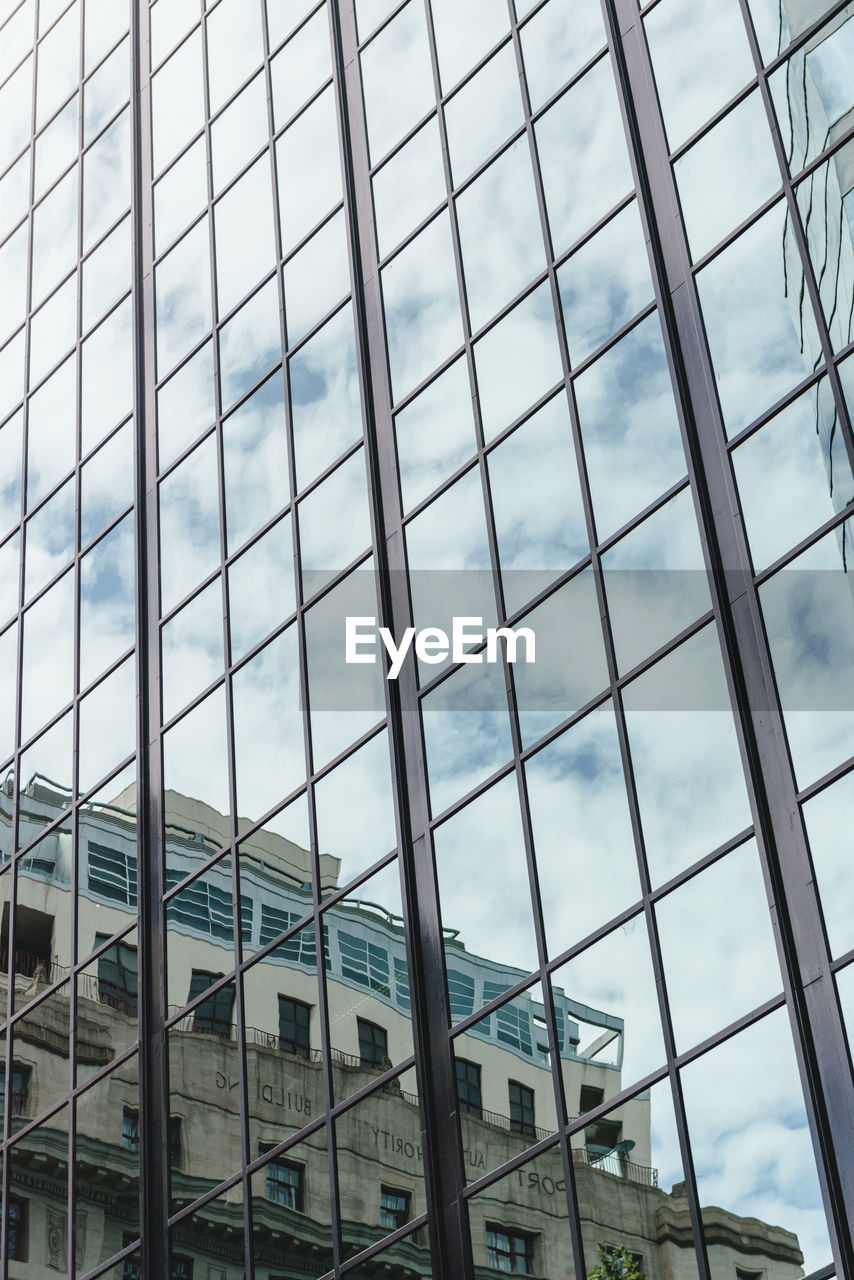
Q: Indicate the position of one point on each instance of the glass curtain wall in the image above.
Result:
(537, 314)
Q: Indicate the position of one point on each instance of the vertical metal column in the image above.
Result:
(819, 1038)
(449, 1228)
(154, 1089)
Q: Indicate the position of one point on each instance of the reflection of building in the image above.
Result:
(375, 307)
(504, 1087)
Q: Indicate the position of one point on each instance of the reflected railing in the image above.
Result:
(617, 1165)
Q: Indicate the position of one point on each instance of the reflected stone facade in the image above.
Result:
(531, 313)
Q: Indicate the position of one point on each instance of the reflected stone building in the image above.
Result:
(531, 313)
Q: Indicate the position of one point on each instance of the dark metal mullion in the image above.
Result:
(231, 767)
(302, 658)
(12, 871)
(153, 1040)
(796, 223)
(758, 720)
(75, 759)
(444, 1175)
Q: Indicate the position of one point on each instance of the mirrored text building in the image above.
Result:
(537, 314)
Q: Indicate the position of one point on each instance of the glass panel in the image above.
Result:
(576, 785)
(762, 340)
(243, 222)
(604, 283)
(235, 46)
(261, 589)
(177, 101)
(354, 809)
(409, 186)
(183, 297)
(537, 541)
(483, 113)
(826, 818)
(504, 1084)
(752, 1150)
(48, 647)
(50, 540)
(276, 875)
(435, 434)
(170, 20)
(250, 343)
(106, 274)
(56, 147)
(500, 234)
(203, 1062)
(106, 180)
(554, 49)
(269, 741)
(480, 903)
(239, 133)
(255, 462)
(656, 582)
(301, 67)
(551, 690)
(685, 756)
(466, 731)
(634, 456)
(345, 700)
(195, 772)
(107, 725)
(109, 87)
(290, 1196)
(422, 311)
(10, 471)
(827, 213)
(101, 1126)
(812, 90)
(202, 911)
(14, 194)
(106, 376)
(106, 484)
(718, 947)
(39, 1222)
(54, 236)
(325, 404)
(52, 432)
(189, 519)
(367, 983)
(519, 1224)
(180, 194)
(583, 156)
(185, 406)
(16, 109)
(517, 361)
(623, 1164)
(309, 169)
(108, 988)
(798, 458)
(334, 523)
(192, 649)
(701, 59)
(807, 609)
(105, 22)
(464, 36)
(397, 79)
(53, 329)
(316, 278)
(727, 174)
(58, 64)
(359, 1132)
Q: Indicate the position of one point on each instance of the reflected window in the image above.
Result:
(174, 1142)
(468, 1087)
(395, 1208)
(521, 1109)
(112, 873)
(285, 1183)
(294, 1019)
(118, 976)
(16, 1229)
(510, 1251)
(130, 1130)
(373, 1044)
(213, 1016)
(20, 1089)
(364, 962)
